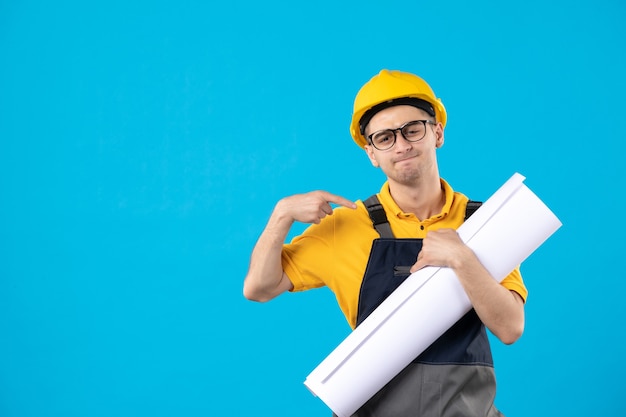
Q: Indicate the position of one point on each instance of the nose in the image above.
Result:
(401, 143)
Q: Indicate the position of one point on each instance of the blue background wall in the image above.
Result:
(144, 144)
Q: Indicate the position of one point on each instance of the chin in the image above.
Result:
(406, 178)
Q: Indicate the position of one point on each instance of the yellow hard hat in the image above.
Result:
(390, 88)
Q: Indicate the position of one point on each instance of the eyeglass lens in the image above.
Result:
(412, 131)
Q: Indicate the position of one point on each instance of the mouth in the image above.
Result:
(405, 158)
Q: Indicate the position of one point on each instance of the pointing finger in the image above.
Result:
(336, 199)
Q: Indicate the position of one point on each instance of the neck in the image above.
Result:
(424, 200)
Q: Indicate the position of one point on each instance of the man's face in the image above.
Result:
(405, 162)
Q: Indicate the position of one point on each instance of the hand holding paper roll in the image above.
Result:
(500, 309)
(442, 248)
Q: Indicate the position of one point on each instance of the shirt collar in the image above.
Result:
(390, 204)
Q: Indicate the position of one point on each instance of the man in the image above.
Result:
(362, 251)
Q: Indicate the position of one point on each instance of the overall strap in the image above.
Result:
(472, 206)
(378, 216)
(381, 224)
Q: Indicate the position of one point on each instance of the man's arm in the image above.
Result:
(500, 309)
(266, 278)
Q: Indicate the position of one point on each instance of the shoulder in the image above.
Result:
(354, 217)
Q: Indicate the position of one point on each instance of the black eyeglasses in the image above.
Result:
(411, 131)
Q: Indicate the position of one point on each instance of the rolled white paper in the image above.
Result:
(503, 232)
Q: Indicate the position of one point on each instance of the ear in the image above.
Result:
(369, 150)
(439, 136)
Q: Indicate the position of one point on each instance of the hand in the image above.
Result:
(311, 207)
(441, 248)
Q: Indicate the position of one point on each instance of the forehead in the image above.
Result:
(396, 116)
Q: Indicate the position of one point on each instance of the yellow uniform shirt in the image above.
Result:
(335, 252)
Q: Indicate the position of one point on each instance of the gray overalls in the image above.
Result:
(454, 377)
